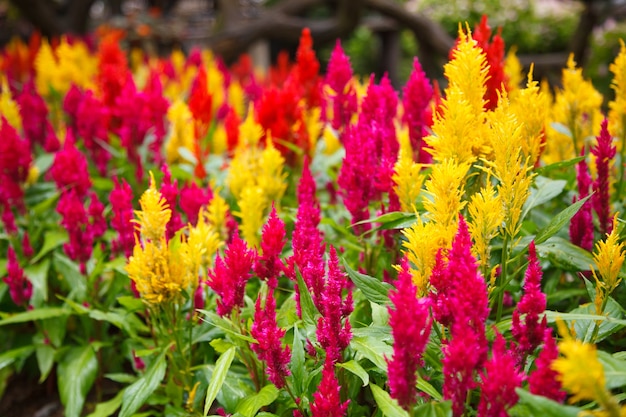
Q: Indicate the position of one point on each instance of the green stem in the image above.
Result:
(293, 397)
(502, 279)
(596, 328)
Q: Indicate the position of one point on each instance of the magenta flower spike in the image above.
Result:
(170, 192)
(527, 329)
(229, 276)
(70, 169)
(581, 225)
(20, 288)
(91, 121)
(500, 378)
(543, 380)
(327, 401)
(268, 344)
(75, 219)
(121, 199)
(192, 199)
(410, 324)
(269, 266)
(604, 152)
(34, 114)
(416, 97)
(338, 78)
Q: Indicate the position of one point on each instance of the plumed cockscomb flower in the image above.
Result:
(338, 78)
(91, 121)
(75, 220)
(500, 378)
(268, 266)
(333, 328)
(494, 52)
(305, 72)
(34, 114)
(20, 288)
(192, 199)
(69, 170)
(527, 328)
(121, 199)
(543, 380)
(170, 191)
(230, 275)
(410, 324)
(15, 161)
(112, 68)
(604, 151)
(268, 344)
(416, 97)
(327, 401)
(581, 225)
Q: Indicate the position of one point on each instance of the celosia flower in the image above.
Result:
(268, 344)
(200, 101)
(252, 204)
(91, 120)
(327, 401)
(112, 68)
(76, 222)
(20, 288)
(500, 378)
(97, 222)
(70, 169)
(34, 113)
(604, 151)
(306, 70)
(618, 105)
(527, 328)
(230, 275)
(121, 199)
(496, 80)
(581, 225)
(154, 215)
(192, 199)
(407, 176)
(27, 249)
(332, 335)
(416, 96)
(609, 258)
(203, 241)
(410, 324)
(486, 214)
(171, 193)
(155, 111)
(543, 380)
(182, 131)
(343, 96)
(269, 266)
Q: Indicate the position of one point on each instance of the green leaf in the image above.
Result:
(250, 405)
(584, 328)
(565, 255)
(224, 325)
(8, 357)
(37, 314)
(69, 272)
(373, 289)
(614, 370)
(309, 311)
(426, 387)
(387, 405)
(131, 303)
(552, 316)
(77, 373)
(43, 162)
(45, 360)
(139, 392)
(434, 409)
(392, 220)
(217, 379)
(108, 408)
(372, 349)
(559, 165)
(297, 362)
(113, 317)
(545, 407)
(544, 190)
(38, 275)
(558, 221)
(354, 367)
(51, 240)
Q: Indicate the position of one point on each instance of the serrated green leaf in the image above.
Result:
(138, 393)
(373, 289)
(558, 221)
(250, 405)
(542, 406)
(76, 374)
(32, 315)
(51, 240)
(372, 349)
(434, 409)
(387, 405)
(108, 408)
(355, 368)
(217, 379)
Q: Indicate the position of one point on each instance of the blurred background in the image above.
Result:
(379, 35)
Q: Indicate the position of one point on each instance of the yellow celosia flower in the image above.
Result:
(202, 242)
(215, 86)
(182, 133)
(331, 140)
(444, 189)
(219, 140)
(580, 371)
(314, 127)
(421, 245)
(617, 112)
(514, 72)
(407, 176)
(486, 216)
(216, 214)
(608, 257)
(250, 131)
(154, 214)
(8, 106)
(271, 177)
(160, 271)
(252, 204)
(236, 97)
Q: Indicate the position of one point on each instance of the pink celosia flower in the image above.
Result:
(76, 222)
(543, 380)
(27, 248)
(332, 335)
(91, 121)
(70, 169)
(527, 328)
(170, 192)
(410, 326)
(416, 97)
(269, 266)
(581, 225)
(121, 199)
(604, 151)
(192, 198)
(20, 288)
(34, 114)
(338, 78)
(499, 379)
(327, 401)
(155, 111)
(131, 123)
(199, 296)
(230, 275)
(98, 224)
(268, 344)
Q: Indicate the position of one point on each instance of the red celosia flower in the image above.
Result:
(34, 114)
(543, 380)
(112, 68)
(327, 401)
(332, 335)
(416, 97)
(280, 72)
(170, 192)
(27, 249)
(494, 52)
(499, 380)
(155, 111)
(338, 78)
(410, 326)
(268, 344)
(306, 70)
(581, 225)
(269, 266)
(70, 169)
(604, 151)
(200, 101)
(15, 161)
(529, 330)
(76, 222)
(121, 199)
(192, 199)
(20, 288)
(91, 120)
(230, 275)
(231, 125)
(96, 216)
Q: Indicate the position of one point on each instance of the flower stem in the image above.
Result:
(502, 278)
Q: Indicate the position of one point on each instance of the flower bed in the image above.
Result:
(218, 242)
